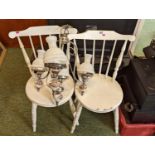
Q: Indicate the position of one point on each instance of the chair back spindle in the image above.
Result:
(85, 47)
(68, 51)
(100, 35)
(93, 58)
(38, 31)
(119, 60)
(110, 59)
(102, 56)
(41, 42)
(27, 60)
(32, 46)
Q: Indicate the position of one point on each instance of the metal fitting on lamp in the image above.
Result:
(53, 65)
(85, 71)
(64, 34)
(38, 69)
(56, 61)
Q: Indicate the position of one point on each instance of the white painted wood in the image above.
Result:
(101, 35)
(43, 97)
(62, 47)
(34, 116)
(33, 49)
(85, 52)
(41, 42)
(110, 60)
(35, 31)
(93, 58)
(119, 61)
(77, 60)
(116, 120)
(68, 51)
(77, 116)
(73, 109)
(76, 49)
(102, 94)
(59, 42)
(39, 30)
(27, 60)
(102, 57)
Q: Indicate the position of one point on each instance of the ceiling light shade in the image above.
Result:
(38, 63)
(38, 69)
(64, 72)
(54, 55)
(86, 67)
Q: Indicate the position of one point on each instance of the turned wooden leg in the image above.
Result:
(34, 116)
(77, 116)
(116, 119)
(73, 109)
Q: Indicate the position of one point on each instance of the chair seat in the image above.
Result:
(44, 98)
(102, 94)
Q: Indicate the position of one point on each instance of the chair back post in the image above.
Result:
(119, 60)
(96, 35)
(32, 45)
(27, 60)
(111, 57)
(38, 31)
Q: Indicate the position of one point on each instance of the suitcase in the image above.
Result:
(139, 94)
(130, 107)
(141, 76)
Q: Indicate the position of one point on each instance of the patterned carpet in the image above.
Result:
(15, 108)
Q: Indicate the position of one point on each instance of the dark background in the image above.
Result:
(124, 26)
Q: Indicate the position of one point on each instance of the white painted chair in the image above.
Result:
(103, 93)
(43, 97)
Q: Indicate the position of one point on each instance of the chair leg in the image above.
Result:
(34, 116)
(72, 106)
(73, 109)
(116, 118)
(77, 116)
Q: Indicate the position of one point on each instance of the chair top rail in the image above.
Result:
(39, 30)
(101, 35)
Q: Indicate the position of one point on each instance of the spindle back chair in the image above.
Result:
(103, 93)
(40, 32)
(43, 96)
(97, 35)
